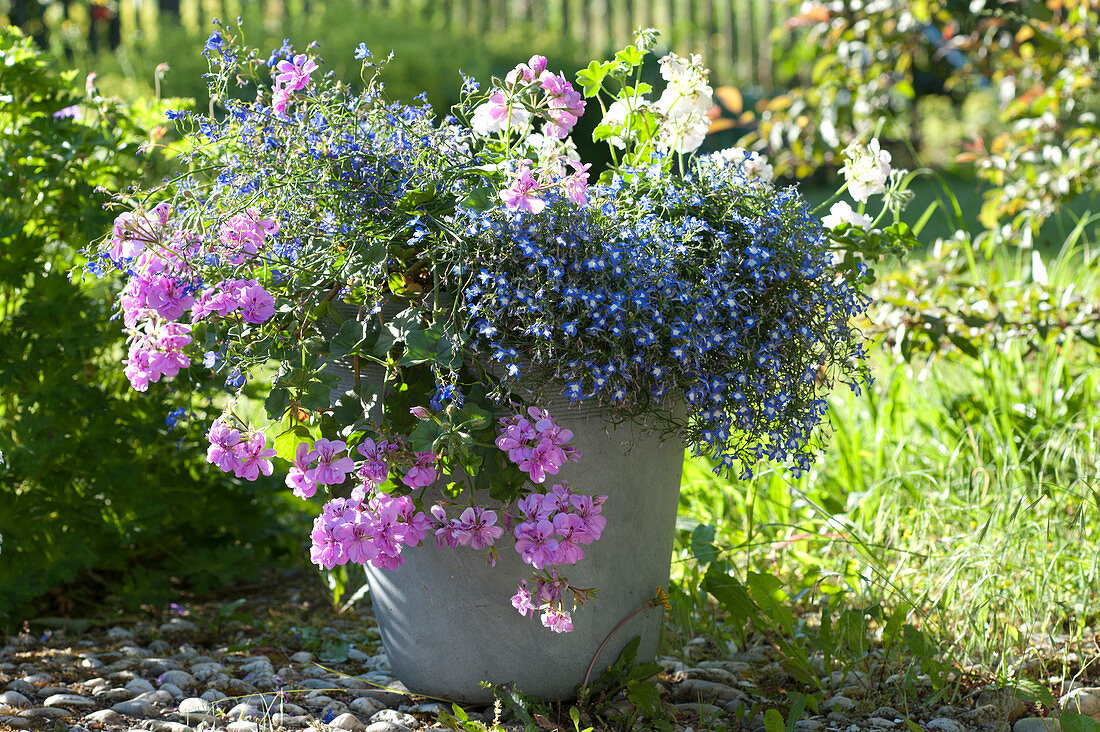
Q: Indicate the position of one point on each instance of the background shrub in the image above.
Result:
(99, 496)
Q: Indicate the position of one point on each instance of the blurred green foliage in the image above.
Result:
(97, 499)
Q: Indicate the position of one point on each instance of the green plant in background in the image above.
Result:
(891, 68)
(94, 501)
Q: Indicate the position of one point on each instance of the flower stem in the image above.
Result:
(651, 602)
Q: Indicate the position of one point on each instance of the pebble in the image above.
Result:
(396, 717)
(173, 690)
(92, 663)
(22, 687)
(356, 656)
(119, 634)
(45, 713)
(810, 725)
(14, 722)
(881, 723)
(838, 701)
(432, 708)
(243, 726)
(178, 678)
(171, 727)
(212, 695)
(349, 722)
(136, 708)
(366, 706)
(178, 626)
(244, 711)
(38, 679)
(700, 690)
(282, 719)
(195, 705)
(302, 657)
(717, 675)
(103, 716)
(139, 686)
(68, 700)
(159, 697)
(943, 724)
(14, 699)
(387, 727)
(1036, 724)
(316, 684)
(1085, 700)
(700, 709)
(238, 687)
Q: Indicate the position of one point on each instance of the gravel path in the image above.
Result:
(280, 658)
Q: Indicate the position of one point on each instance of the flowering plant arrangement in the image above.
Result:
(468, 269)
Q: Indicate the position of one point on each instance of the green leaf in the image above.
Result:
(773, 721)
(286, 444)
(349, 339)
(645, 696)
(732, 595)
(702, 544)
(591, 78)
(424, 436)
(629, 55)
(1028, 690)
(276, 403)
(1074, 722)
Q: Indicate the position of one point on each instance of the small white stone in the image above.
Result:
(396, 717)
(302, 657)
(347, 721)
(195, 705)
(357, 656)
(366, 706)
(68, 700)
(119, 634)
(243, 726)
(172, 727)
(103, 716)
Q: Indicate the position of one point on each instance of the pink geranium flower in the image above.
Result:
(330, 470)
(294, 75)
(520, 195)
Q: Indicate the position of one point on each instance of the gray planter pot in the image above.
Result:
(445, 616)
(446, 619)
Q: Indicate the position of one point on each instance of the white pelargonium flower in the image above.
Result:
(683, 134)
(866, 170)
(753, 165)
(842, 213)
(616, 116)
(497, 114)
(687, 91)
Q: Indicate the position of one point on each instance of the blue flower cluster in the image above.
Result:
(701, 288)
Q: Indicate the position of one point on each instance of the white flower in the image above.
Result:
(616, 117)
(683, 134)
(497, 114)
(687, 91)
(866, 170)
(841, 213)
(753, 164)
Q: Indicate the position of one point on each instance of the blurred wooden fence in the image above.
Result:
(733, 35)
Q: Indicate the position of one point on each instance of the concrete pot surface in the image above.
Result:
(446, 619)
